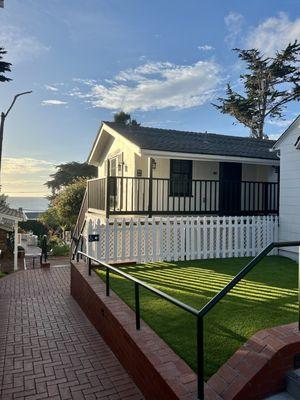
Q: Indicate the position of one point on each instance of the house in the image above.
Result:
(146, 171)
(33, 215)
(9, 220)
(288, 146)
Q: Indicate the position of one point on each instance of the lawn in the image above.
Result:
(268, 297)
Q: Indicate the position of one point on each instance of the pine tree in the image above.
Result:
(270, 83)
(4, 67)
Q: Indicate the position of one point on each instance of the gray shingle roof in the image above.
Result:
(33, 215)
(11, 212)
(195, 142)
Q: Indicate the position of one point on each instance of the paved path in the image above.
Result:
(48, 348)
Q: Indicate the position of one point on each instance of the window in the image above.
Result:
(113, 174)
(181, 177)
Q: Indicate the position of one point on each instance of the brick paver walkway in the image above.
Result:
(48, 348)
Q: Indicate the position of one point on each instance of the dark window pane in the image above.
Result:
(181, 177)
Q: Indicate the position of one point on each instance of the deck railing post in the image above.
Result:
(299, 288)
(107, 281)
(150, 187)
(137, 306)
(90, 266)
(77, 256)
(200, 358)
(107, 198)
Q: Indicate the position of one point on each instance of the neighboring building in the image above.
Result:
(149, 171)
(289, 212)
(33, 215)
(9, 220)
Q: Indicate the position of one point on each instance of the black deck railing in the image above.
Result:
(157, 196)
(199, 314)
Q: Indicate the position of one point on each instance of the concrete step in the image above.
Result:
(281, 396)
(293, 383)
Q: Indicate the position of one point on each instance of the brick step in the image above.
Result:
(292, 387)
(281, 396)
(293, 383)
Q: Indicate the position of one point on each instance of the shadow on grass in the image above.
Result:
(268, 299)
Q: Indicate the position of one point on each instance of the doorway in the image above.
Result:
(230, 188)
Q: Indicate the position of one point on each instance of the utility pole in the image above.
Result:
(2, 121)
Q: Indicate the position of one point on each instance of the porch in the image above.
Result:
(149, 196)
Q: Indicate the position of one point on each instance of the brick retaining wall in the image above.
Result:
(155, 368)
(257, 370)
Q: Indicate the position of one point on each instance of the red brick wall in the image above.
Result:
(258, 368)
(155, 368)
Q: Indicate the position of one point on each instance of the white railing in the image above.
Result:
(178, 238)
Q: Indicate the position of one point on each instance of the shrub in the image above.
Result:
(60, 250)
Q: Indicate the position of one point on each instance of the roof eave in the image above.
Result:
(284, 134)
(209, 157)
(115, 134)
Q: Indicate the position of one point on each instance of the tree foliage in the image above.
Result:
(66, 205)
(36, 227)
(4, 67)
(3, 200)
(68, 173)
(50, 219)
(269, 85)
(125, 118)
(68, 202)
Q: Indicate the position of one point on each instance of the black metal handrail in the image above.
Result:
(80, 224)
(199, 314)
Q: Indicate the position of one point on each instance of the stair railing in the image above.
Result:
(80, 224)
(199, 314)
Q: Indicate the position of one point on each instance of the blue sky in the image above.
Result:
(164, 62)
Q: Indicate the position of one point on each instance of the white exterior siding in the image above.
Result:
(132, 194)
(289, 206)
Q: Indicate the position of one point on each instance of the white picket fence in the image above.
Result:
(179, 238)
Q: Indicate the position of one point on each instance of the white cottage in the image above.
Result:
(150, 171)
(289, 205)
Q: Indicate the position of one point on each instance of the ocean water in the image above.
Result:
(29, 203)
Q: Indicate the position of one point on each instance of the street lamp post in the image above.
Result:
(2, 121)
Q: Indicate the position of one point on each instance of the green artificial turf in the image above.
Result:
(266, 298)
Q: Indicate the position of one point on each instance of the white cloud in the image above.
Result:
(281, 123)
(206, 47)
(19, 46)
(234, 23)
(25, 165)
(274, 34)
(51, 88)
(274, 136)
(25, 175)
(53, 102)
(155, 85)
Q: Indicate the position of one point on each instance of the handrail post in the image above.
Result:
(137, 306)
(107, 200)
(81, 247)
(90, 266)
(200, 358)
(107, 281)
(77, 256)
(87, 194)
(150, 187)
(299, 288)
